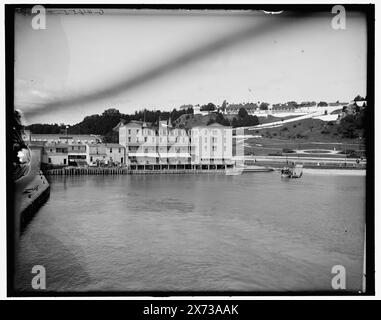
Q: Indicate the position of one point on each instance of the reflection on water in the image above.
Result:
(251, 232)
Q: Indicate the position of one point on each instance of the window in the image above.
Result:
(64, 161)
(51, 150)
(119, 150)
(145, 139)
(129, 139)
(50, 160)
(110, 150)
(72, 147)
(129, 131)
(91, 159)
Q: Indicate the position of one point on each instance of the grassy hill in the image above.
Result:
(189, 120)
(346, 136)
(313, 130)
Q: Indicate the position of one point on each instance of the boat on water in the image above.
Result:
(292, 172)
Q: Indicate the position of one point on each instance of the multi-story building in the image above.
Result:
(55, 154)
(95, 153)
(82, 154)
(77, 154)
(160, 146)
(165, 147)
(64, 149)
(212, 145)
(66, 138)
(105, 152)
(115, 153)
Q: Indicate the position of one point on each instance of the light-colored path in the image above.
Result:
(318, 115)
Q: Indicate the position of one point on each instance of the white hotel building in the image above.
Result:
(164, 147)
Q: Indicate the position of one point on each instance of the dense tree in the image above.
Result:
(292, 104)
(46, 128)
(222, 120)
(352, 125)
(264, 106)
(358, 98)
(208, 107)
(224, 105)
(322, 104)
(210, 121)
(111, 111)
(104, 123)
(242, 113)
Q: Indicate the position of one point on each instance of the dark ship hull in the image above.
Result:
(31, 188)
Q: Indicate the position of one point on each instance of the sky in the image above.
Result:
(132, 59)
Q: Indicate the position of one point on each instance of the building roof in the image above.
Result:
(63, 136)
(134, 123)
(36, 143)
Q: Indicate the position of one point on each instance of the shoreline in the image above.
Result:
(344, 172)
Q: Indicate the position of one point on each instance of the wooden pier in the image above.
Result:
(73, 171)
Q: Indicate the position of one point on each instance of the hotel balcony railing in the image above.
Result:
(157, 142)
(76, 151)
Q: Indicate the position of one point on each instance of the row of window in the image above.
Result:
(154, 132)
(153, 150)
(182, 140)
(173, 132)
(63, 140)
(65, 150)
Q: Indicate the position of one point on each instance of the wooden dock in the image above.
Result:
(73, 171)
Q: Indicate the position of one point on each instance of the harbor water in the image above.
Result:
(253, 232)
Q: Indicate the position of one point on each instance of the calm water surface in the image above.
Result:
(251, 232)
